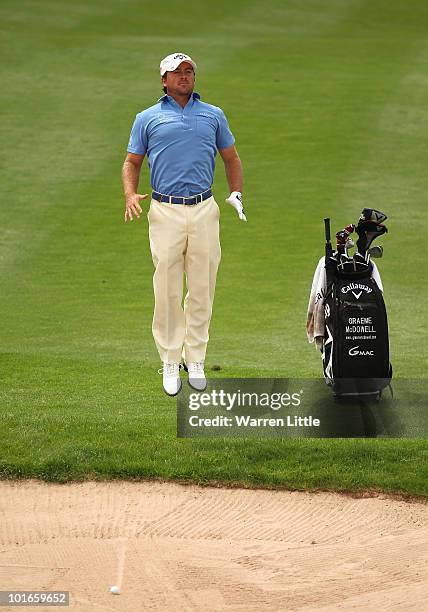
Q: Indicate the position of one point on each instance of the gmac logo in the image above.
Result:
(355, 351)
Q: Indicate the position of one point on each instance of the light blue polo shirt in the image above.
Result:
(181, 144)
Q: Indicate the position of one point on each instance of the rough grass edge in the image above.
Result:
(222, 484)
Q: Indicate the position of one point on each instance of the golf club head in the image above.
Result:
(376, 252)
(367, 232)
(342, 237)
(370, 214)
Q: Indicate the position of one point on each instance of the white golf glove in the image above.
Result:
(235, 200)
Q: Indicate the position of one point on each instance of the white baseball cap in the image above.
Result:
(171, 62)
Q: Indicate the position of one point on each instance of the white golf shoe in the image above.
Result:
(171, 378)
(197, 378)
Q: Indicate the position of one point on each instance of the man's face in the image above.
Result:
(181, 80)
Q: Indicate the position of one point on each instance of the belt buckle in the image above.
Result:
(196, 199)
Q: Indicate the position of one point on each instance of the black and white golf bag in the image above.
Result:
(356, 344)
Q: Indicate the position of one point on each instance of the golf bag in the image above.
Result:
(356, 345)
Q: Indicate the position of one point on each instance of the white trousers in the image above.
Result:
(185, 242)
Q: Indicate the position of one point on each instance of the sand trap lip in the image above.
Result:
(174, 547)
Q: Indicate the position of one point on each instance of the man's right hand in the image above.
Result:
(132, 205)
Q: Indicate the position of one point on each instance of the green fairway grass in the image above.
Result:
(327, 100)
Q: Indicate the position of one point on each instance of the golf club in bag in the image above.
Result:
(355, 350)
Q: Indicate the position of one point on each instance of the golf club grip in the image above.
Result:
(328, 247)
(327, 229)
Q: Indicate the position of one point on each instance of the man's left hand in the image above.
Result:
(235, 200)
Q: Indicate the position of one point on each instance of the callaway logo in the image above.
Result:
(179, 56)
(238, 197)
(352, 286)
(357, 295)
(354, 351)
(326, 311)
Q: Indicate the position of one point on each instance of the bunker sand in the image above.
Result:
(173, 547)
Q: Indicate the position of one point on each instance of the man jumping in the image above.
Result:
(181, 136)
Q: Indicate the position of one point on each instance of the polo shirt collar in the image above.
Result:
(166, 97)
